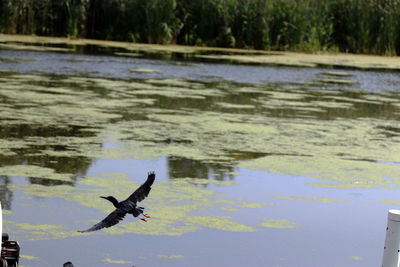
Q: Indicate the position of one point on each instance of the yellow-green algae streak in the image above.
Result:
(28, 257)
(391, 202)
(170, 256)
(278, 223)
(108, 260)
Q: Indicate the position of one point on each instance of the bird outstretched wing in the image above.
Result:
(112, 219)
(143, 191)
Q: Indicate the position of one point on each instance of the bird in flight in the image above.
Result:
(126, 206)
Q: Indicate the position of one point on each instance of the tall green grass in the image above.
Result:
(357, 26)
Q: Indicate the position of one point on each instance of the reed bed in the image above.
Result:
(355, 26)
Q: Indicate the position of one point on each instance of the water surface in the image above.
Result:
(256, 165)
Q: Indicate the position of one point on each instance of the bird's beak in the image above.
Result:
(104, 197)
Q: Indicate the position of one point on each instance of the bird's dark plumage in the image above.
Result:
(126, 206)
(143, 191)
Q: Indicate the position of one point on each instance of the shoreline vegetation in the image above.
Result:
(214, 54)
(349, 26)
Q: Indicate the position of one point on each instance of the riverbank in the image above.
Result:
(232, 55)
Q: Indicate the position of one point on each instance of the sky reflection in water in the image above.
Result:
(255, 165)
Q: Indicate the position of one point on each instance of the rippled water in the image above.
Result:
(256, 165)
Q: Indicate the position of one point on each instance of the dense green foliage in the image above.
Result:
(360, 26)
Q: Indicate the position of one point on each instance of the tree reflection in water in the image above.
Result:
(6, 195)
(179, 167)
(34, 152)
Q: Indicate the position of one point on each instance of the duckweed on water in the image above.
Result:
(391, 202)
(336, 74)
(336, 81)
(251, 205)
(363, 62)
(233, 106)
(28, 257)
(170, 256)
(229, 209)
(33, 48)
(279, 223)
(142, 70)
(33, 171)
(108, 260)
(30, 231)
(220, 223)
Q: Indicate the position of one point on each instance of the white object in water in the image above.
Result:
(391, 252)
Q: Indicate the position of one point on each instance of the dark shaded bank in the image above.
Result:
(301, 25)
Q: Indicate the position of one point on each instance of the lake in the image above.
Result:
(256, 165)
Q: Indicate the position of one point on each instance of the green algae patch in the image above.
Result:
(142, 70)
(34, 171)
(231, 209)
(33, 48)
(333, 104)
(221, 223)
(336, 81)
(251, 205)
(313, 199)
(317, 150)
(127, 54)
(278, 223)
(171, 82)
(337, 60)
(39, 231)
(170, 256)
(108, 260)
(166, 227)
(7, 212)
(338, 173)
(390, 202)
(233, 205)
(234, 106)
(199, 181)
(28, 257)
(336, 74)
